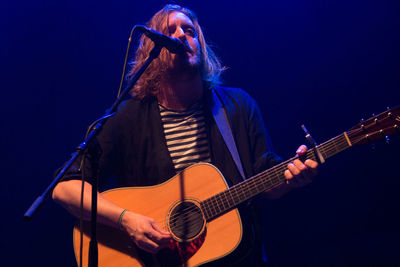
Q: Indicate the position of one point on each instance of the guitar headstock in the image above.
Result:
(375, 128)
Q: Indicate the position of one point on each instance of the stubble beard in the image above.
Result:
(184, 67)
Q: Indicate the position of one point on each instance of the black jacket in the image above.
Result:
(132, 148)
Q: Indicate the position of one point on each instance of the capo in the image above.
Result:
(312, 142)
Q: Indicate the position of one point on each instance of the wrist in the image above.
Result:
(120, 220)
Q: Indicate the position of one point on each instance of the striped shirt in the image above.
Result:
(186, 136)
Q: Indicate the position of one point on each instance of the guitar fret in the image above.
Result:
(277, 180)
(336, 147)
(258, 186)
(245, 192)
(212, 209)
(254, 188)
(237, 194)
(221, 201)
(345, 144)
(207, 209)
(242, 195)
(225, 201)
(215, 204)
(230, 199)
(237, 197)
(204, 208)
(264, 183)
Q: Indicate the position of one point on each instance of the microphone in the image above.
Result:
(173, 44)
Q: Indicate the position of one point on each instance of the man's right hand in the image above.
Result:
(145, 232)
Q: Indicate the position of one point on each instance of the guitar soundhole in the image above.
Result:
(186, 221)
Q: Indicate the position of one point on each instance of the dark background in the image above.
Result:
(326, 64)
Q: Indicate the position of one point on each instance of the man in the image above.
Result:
(168, 125)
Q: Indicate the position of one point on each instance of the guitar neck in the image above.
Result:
(239, 193)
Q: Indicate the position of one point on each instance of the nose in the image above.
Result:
(180, 34)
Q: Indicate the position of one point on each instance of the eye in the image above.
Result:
(190, 31)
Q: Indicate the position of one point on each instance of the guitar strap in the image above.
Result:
(221, 119)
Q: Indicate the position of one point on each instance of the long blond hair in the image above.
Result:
(152, 78)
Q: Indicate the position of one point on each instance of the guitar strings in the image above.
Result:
(332, 147)
(329, 147)
(215, 200)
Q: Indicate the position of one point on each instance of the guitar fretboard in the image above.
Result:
(239, 193)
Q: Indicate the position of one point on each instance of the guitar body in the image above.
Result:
(193, 245)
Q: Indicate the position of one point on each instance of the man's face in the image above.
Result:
(181, 27)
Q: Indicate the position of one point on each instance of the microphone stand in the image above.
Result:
(93, 253)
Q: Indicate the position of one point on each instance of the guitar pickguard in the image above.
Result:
(177, 253)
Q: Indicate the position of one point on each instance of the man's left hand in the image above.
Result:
(300, 173)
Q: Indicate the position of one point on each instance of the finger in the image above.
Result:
(301, 150)
(305, 172)
(154, 235)
(300, 174)
(299, 165)
(159, 235)
(290, 179)
(311, 164)
(293, 169)
(288, 175)
(160, 229)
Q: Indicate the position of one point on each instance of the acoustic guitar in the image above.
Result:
(199, 209)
